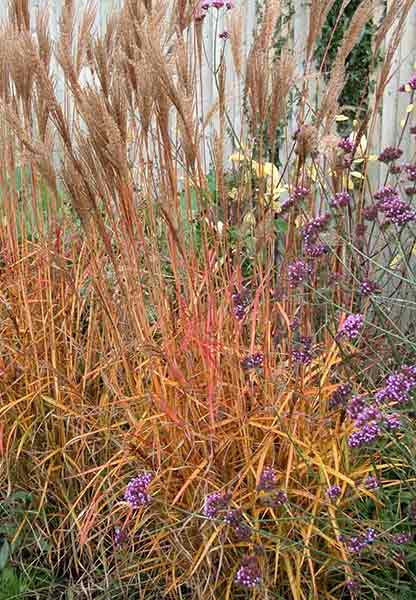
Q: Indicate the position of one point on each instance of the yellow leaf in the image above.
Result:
(395, 261)
(341, 118)
(265, 170)
(357, 161)
(372, 157)
(238, 157)
(357, 174)
(410, 108)
(402, 123)
(232, 193)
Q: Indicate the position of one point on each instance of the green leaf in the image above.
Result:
(281, 226)
(4, 554)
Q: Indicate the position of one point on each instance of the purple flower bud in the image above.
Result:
(333, 492)
(224, 35)
(368, 287)
(214, 504)
(136, 493)
(401, 538)
(371, 483)
(340, 395)
(268, 479)
(298, 272)
(341, 200)
(389, 154)
(351, 327)
(249, 574)
(347, 145)
(252, 361)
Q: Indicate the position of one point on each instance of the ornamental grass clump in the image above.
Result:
(203, 365)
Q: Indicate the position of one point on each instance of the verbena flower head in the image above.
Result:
(119, 537)
(410, 172)
(371, 483)
(315, 250)
(340, 395)
(298, 273)
(249, 574)
(235, 520)
(218, 4)
(366, 435)
(368, 414)
(410, 85)
(347, 145)
(351, 327)
(303, 354)
(333, 492)
(252, 361)
(398, 387)
(313, 228)
(298, 194)
(368, 287)
(355, 407)
(241, 302)
(370, 213)
(401, 538)
(224, 35)
(136, 493)
(389, 154)
(214, 504)
(395, 209)
(268, 479)
(341, 199)
(356, 544)
(392, 421)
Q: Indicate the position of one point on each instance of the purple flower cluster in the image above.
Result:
(249, 574)
(351, 327)
(389, 154)
(353, 585)
(268, 480)
(371, 483)
(340, 395)
(398, 386)
(298, 272)
(303, 354)
(370, 213)
(411, 83)
(401, 538)
(395, 209)
(203, 7)
(119, 537)
(340, 200)
(370, 422)
(252, 361)
(136, 493)
(298, 194)
(356, 405)
(347, 145)
(368, 287)
(410, 172)
(356, 544)
(215, 504)
(268, 483)
(333, 492)
(310, 232)
(241, 302)
(235, 520)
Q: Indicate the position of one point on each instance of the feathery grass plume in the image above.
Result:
(329, 105)
(235, 31)
(319, 10)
